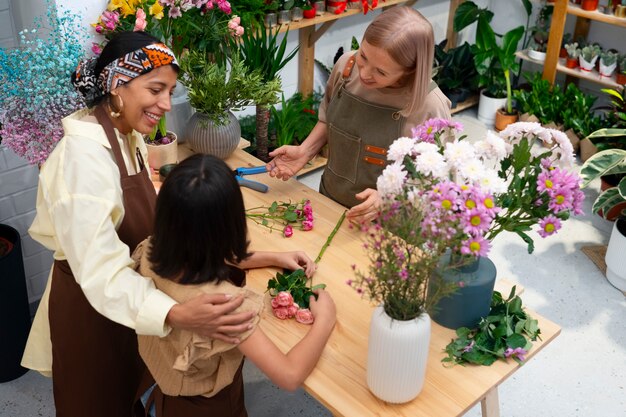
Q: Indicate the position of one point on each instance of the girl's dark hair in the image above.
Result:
(200, 222)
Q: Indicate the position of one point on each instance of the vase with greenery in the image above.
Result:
(261, 51)
(215, 91)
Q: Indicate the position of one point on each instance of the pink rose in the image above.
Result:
(304, 316)
(307, 225)
(292, 310)
(284, 299)
(96, 49)
(140, 22)
(239, 31)
(281, 312)
(288, 231)
(275, 303)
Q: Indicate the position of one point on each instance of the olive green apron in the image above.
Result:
(359, 134)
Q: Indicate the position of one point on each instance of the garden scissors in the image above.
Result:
(257, 186)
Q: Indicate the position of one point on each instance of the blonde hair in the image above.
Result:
(408, 38)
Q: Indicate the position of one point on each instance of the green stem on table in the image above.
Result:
(331, 236)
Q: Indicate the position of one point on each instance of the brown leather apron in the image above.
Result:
(359, 134)
(95, 363)
(229, 402)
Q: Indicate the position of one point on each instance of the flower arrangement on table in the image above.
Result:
(284, 215)
(201, 25)
(446, 194)
(35, 88)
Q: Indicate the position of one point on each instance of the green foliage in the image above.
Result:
(282, 214)
(572, 50)
(621, 63)
(543, 99)
(577, 112)
(354, 44)
(456, 68)
(608, 57)
(159, 129)
(506, 328)
(605, 163)
(252, 12)
(214, 90)
(294, 120)
(494, 61)
(294, 283)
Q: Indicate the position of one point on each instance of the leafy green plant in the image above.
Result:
(296, 284)
(213, 90)
(605, 163)
(456, 69)
(572, 50)
(494, 61)
(294, 120)
(578, 113)
(542, 100)
(507, 332)
(539, 38)
(608, 57)
(621, 63)
(260, 50)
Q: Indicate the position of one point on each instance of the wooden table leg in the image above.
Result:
(490, 406)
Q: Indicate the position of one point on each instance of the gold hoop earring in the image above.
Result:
(115, 111)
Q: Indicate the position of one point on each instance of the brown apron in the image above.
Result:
(359, 134)
(229, 402)
(96, 367)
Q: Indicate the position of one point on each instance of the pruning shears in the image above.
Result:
(257, 186)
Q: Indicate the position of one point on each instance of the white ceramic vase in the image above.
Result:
(397, 356)
(536, 55)
(615, 260)
(487, 108)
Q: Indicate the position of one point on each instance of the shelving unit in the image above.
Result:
(553, 64)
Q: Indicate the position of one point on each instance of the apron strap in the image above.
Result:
(106, 124)
(347, 70)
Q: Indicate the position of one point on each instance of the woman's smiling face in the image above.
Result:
(376, 67)
(146, 99)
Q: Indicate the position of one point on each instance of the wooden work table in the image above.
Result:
(339, 380)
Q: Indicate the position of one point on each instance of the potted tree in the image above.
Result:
(602, 164)
(494, 61)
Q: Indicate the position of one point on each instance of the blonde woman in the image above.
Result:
(367, 106)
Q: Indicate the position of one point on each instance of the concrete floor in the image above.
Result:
(581, 373)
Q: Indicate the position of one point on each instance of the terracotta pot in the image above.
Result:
(589, 5)
(503, 119)
(615, 212)
(620, 78)
(571, 62)
(563, 52)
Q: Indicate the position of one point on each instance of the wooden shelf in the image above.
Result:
(575, 10)
(469, 102)
(313, 165)
(553, 63)
(524, 55)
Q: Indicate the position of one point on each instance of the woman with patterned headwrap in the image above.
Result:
(95, 203)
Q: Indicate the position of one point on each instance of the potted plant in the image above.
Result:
(542, 100)
(162, 146)
(494, 62)
(608, 63)
(456, 72)
(588, 57)
(573, 52)
(589, 5)
(539, 34)
(295, 119)
(620, 77)
(611, 162)
(215, 91)
(260, 51)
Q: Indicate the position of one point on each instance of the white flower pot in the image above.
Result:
(397, 356)
(218, 140)
(587, 66)
(615, 259)
(487, 108)
(536, 55)
(607, 70)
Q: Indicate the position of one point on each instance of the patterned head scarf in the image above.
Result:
(120, 71)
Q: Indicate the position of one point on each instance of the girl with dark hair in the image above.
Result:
(199, 234)
(95, 203)
(373, 96)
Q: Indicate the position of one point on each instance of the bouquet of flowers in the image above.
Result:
(283, 215)
(36, 92)
(193, 24)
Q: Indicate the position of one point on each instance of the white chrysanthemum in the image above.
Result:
(471, 170)
(457, 152)
(413, 196)
(492, 147)
(391, 180)
(424, 147)
(432, 163)
(565, 150)
(491, 182)
(400, 148)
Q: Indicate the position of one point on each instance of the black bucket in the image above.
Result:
(14, 311)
